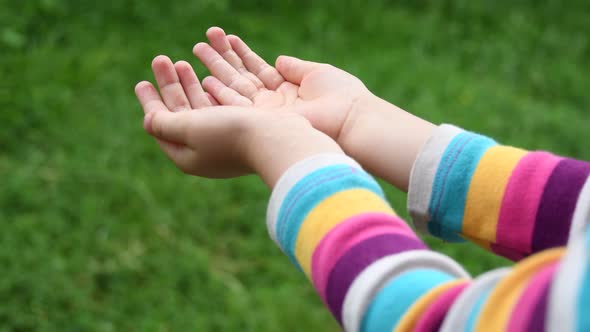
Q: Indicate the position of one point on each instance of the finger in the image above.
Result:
(168, 126)
(212, 99)
(152, 103)
(223, 71)
(293, 69)
(169, 84)
(289, 91)
(191, 85)
(149, 98)
(218, 40)
(223, 94)
(255, 64)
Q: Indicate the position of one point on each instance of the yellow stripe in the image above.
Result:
(411, 317)
(329, 213)
(496, 312)
(484, 199)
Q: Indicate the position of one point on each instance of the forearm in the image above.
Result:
(389, 154)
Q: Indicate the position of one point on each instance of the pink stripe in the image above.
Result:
(346, 235)
(521, 200)
(432, 318)
(525, 306)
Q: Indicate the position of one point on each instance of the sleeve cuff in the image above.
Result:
(292, 176)
(423, 174)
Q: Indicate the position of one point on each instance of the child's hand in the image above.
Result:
(384, 138)
(324, 94)
(222, 141)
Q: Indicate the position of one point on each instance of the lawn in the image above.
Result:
(100, 232)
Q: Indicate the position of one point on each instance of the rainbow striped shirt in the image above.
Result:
(374, 274)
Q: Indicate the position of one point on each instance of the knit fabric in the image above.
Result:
(374, 274)
(507, 200)
(365, 262)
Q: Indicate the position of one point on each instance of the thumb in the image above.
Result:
(294, 69)
(167, 126)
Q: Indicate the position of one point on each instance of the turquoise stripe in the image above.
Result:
(312, 190)
(583, 318)
(396, 297)
(474, 314)
(451, 184)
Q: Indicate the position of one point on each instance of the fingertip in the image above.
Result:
(237, 43)
(281, 59)
(234, 38)
(160, 60)
(208, 80)
(209, 84)
(141, 86)
(280, 63)
(214, 31)
(145, 91)
(182, 65)
(199, 47)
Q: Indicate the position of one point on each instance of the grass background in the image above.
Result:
(101, 233)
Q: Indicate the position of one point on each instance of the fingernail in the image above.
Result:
(147, 122)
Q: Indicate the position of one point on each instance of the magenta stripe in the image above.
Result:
(526, 304)
(346, 235)
(521, 201)
(432, 318)
(355, 260)
(557, 205)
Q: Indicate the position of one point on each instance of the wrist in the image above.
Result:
(270, 151)
(384, 138)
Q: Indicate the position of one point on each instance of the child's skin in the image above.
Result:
(382, 137)
(223, 141)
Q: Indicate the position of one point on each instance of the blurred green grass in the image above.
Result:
(101, 233)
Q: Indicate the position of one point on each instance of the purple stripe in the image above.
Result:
(558, 202)
(355, 260)
(537, 321)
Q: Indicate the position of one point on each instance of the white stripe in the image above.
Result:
(374, 277)
(563, 294)
(295, 174)
(581, 217)
(458, 314)
(424, 171)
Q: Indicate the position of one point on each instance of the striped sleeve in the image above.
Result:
(372, 272)
(547, 291)
(508, 200)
